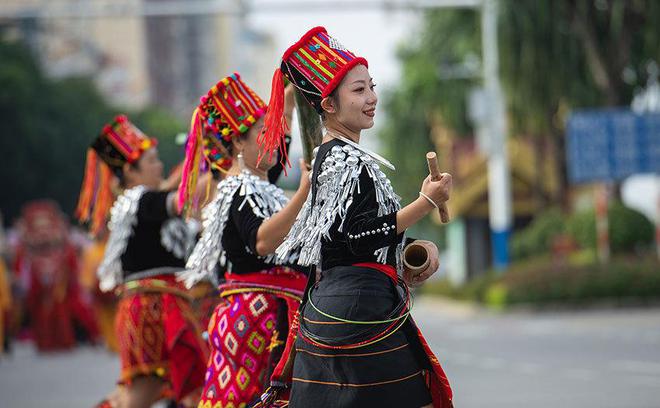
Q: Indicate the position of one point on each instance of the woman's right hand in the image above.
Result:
(438, 191)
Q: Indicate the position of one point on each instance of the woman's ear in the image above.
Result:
(127, 170)
(237, 144)
(328, 105)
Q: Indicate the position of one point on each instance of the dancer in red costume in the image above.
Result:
(243, 224)
(160, 344)
(48, 262)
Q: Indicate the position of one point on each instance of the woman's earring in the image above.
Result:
(241, 161)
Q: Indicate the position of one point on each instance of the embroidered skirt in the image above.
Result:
(158, 335)
(246, 335)
(392, 372)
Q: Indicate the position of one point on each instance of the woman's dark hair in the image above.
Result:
(307, 89)
(229, 146)
(119, 172)
(216, 174)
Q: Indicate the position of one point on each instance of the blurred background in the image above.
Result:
(546, 113)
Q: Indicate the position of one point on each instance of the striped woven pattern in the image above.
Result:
(321, 59)
(231, 107)
(126, 138)
(228, 110)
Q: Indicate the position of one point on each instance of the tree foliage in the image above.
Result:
(46, 126)
(443, 39)
(555, 55)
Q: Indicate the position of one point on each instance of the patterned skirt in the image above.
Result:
(246, 335)
(158, 335)
(393, 372)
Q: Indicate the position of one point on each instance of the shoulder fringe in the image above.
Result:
(123, 217)
(264, 198)
(337, 182)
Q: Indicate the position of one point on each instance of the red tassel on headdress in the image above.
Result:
(104, 200)
(275, 126)
(96, 196)
(191, 163)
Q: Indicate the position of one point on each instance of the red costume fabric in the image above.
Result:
(245, 337)
(158, 335)
(48, 263)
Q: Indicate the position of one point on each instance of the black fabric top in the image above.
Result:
(364, 231)
(240, 236)
(239, 239)
(145, 249)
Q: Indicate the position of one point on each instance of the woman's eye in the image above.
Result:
(372, 86)
(359, 89)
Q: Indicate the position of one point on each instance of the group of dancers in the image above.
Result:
(269, 300)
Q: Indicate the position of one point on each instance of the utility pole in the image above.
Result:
(499, 178)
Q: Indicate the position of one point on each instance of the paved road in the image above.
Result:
(587, 359)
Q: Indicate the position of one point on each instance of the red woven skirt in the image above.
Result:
(247, 333)
(158, 335)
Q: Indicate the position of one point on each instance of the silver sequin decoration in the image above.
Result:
(178, 237)
(264, 198)
(336, 185)
(123, 217)
(336, 44)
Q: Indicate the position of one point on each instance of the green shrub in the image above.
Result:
(628, 229)
(622, 278)
(537, 237)
(542, 281)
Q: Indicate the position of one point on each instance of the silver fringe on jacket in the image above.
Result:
(123, 217)
(337, 182)
(264, 198)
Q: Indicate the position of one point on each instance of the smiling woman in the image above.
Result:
(357, 344)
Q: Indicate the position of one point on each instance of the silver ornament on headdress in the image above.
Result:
(336, 44)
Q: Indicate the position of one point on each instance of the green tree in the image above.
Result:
(46, 126)
(560, 55)
(554, 56)
(444, 40)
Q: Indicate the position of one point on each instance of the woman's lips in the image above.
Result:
(371, 112)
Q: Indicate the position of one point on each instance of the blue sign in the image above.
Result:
(610, 145)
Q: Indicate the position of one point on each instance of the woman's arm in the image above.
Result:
(438, 191)
(272, 231)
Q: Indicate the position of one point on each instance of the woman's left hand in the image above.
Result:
(434, 264)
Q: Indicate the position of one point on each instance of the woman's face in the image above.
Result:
(356, 100)
(251, 149)
(149, 171)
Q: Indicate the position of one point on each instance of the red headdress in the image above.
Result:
(119, 142)
(315, 64)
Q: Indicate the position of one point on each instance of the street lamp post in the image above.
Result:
(499, 179)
